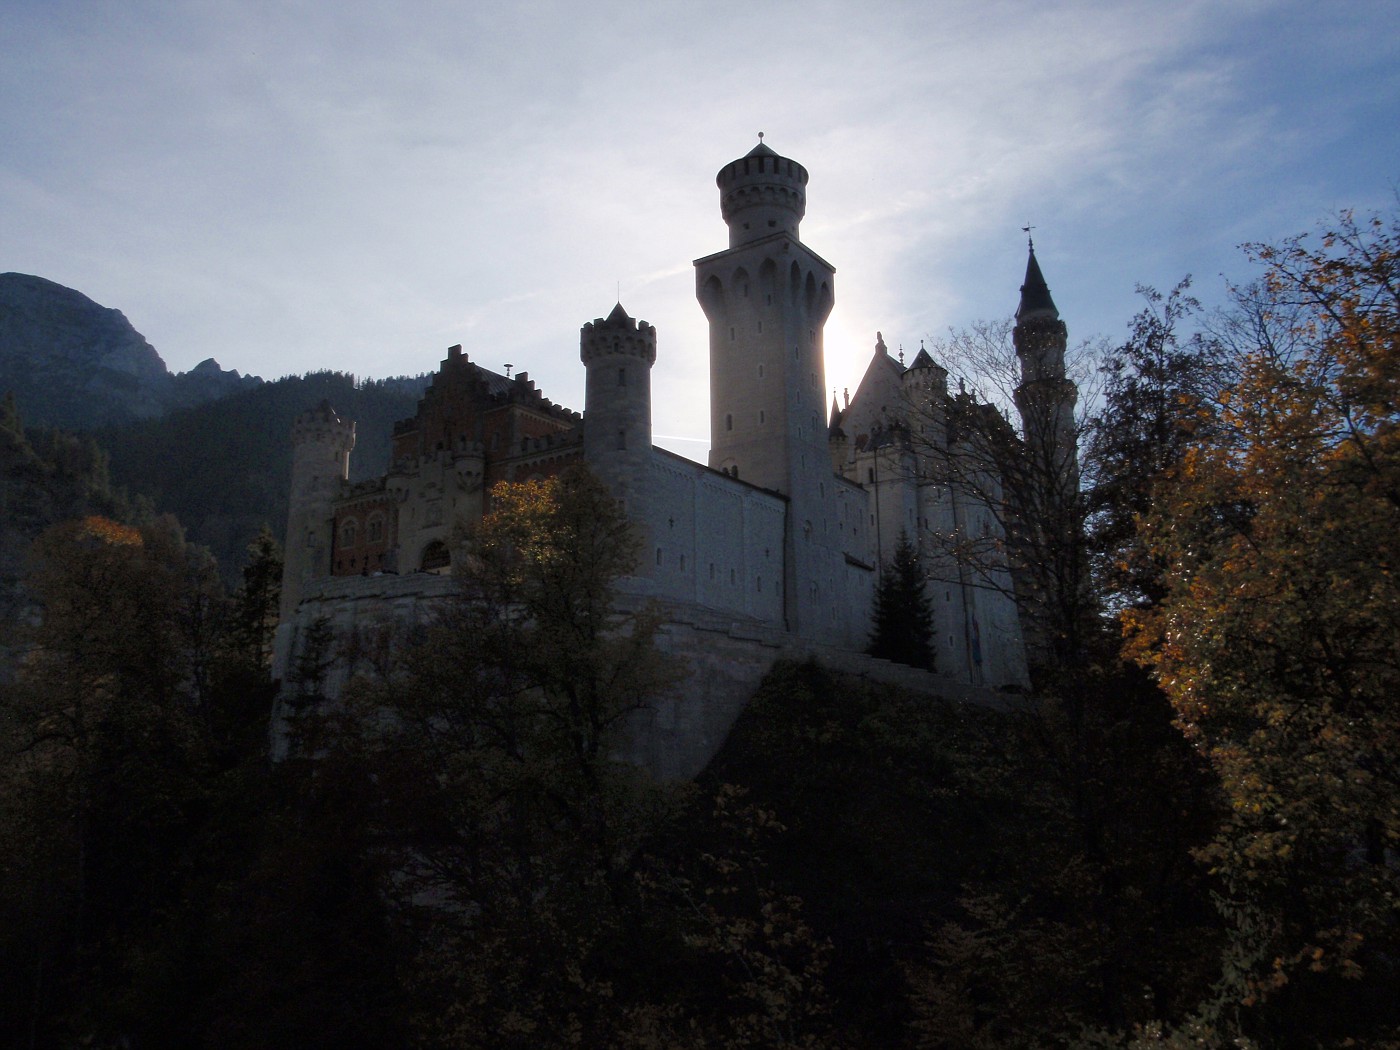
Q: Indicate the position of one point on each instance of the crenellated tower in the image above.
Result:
(767, 298)
(321, 445)
(618, 352)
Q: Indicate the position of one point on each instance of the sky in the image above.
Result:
(291, 186)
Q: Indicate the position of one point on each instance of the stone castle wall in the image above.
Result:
(722, 658)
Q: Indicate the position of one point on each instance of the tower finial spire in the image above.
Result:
(760, 136)
(1030, 242)
(1035, 293)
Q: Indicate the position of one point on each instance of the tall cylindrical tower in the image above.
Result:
(618, 352)
(767, 298)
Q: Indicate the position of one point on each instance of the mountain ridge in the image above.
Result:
(75, 364)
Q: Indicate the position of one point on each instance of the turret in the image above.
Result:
(321, 444)
(760, 194)
(1045, 542)
(618, 353)
(925, 384)
(1046, 396)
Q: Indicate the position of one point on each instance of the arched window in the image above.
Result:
(374, 529)
(347, 533)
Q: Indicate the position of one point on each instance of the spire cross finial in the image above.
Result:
(1026, 229)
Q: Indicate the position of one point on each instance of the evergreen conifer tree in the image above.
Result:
(902, 615)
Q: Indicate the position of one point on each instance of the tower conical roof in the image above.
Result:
(1035, 293)
(618, 314)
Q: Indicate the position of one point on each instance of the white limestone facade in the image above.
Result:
(781, 534)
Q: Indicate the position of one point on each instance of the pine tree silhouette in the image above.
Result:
(903, 617)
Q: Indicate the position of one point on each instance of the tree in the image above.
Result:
(1025, 476)
(497, 731)
(1278, 639)
(255, 603)
(1159, 387)
(549, 892)
(902, 615)
(103, 762)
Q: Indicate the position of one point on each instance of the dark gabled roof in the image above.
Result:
(1035, 293)
(922, 359)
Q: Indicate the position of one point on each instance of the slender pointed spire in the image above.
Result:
(1035, 293)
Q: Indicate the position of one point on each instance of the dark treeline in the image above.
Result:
(1187, 839)
(224, 468)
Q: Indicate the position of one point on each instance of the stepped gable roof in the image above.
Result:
(1035, 293)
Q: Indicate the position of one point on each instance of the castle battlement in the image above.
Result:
(773, 547)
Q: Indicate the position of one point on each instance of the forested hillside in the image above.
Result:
(1188, 840)
(224, 468)
(46, 476)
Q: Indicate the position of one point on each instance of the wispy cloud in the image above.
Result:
(296, 186)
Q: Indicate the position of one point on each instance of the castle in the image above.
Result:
(778, 540)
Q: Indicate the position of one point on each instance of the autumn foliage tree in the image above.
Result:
(101, 773)
(1159, 386)
(1278, 640)
(538, 878)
